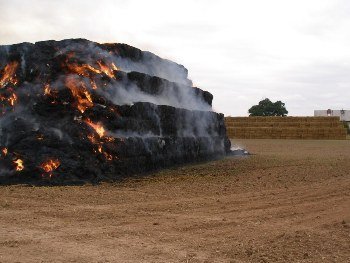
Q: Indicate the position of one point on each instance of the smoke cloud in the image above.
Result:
(77, 108)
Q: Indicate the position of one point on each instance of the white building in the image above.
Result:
(343, 114)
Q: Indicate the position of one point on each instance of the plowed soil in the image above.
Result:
(289, 202)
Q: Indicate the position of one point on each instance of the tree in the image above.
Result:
(268, 108)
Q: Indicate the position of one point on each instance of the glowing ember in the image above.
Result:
(92, 139)
(12, 99)
(109, 139)
(93, 84)
(19, 165)
(4, 151)
(97, 127)
(115, 111)
(105, 154)
(47, 89)
(9, 74)
(108, 156)
(80, 93)
(50, 165)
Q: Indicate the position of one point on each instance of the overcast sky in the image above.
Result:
(297, 51)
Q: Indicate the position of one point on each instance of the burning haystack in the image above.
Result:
(76, 111)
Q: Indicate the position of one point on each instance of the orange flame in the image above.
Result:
(102, 134)
(108, 156)
(114, 67)
(82, 70)
(85, 69)
(97, 127)
(106, 69)
(12, 99)
(9, 74)
(19, 165)
(80, 93)
(50, 165)
(47, 89)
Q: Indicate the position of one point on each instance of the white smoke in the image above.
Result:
(129, 93)
(174, 75)
(155, 66)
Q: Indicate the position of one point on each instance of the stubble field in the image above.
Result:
(289, 202)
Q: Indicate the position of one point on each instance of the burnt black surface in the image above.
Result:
(139, 136)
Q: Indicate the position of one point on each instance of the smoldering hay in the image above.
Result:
(76, 111)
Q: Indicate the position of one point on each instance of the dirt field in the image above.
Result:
(288, 203)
